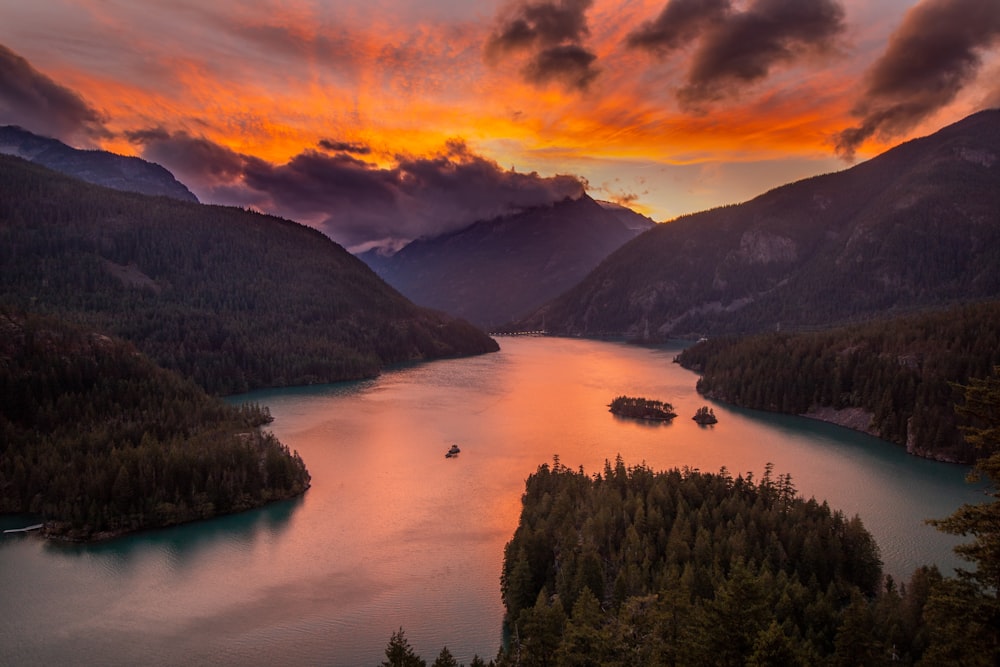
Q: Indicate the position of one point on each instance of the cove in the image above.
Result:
(394, 534)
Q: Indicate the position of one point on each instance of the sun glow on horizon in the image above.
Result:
(669, 129)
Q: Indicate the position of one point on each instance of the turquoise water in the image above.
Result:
(393, 534)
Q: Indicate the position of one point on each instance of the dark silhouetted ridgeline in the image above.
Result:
(120, 172)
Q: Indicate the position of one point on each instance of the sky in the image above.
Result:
(382, 121)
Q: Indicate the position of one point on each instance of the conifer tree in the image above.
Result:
(399, 653)
(971, 602)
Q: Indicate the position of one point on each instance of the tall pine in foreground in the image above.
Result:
(964, 612)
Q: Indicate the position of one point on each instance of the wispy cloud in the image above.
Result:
(34, 101)
(603, 89)
(930, 58)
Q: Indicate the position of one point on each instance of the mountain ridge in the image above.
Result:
(497, 269)
(914, 227)
(230, 298)
(119, 172)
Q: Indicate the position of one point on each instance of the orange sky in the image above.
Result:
(711, 114)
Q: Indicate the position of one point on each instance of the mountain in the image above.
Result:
(637, 222)
(916, 227)
(499, 269)
(227, 297)
(120, 172)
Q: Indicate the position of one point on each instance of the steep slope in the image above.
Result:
(634, 221)
(496, 270)
(918, 226)
(120, 172)
(230, 298)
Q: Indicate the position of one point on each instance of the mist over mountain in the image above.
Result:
(496, 270)
(120, 172)
(916, 227)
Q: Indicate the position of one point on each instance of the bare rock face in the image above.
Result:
(761, 247)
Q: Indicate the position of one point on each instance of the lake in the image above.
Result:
(393, 534)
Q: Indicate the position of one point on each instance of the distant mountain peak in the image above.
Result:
(120, 172)
(497, 269)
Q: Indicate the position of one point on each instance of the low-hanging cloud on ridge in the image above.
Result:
(358, 203)
(933, 55)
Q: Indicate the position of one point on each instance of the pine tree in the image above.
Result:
(399, 653)
(445, 659)
(972, 601)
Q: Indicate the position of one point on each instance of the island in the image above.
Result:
(705, 415)
(642, 408)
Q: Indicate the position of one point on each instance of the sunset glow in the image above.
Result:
(670, 107)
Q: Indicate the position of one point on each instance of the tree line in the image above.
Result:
(902, 372)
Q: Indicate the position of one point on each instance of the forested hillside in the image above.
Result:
(97, 440)
(915, 227)
(892, 378)
(230, 298)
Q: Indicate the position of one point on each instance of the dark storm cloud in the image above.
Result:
(34, 101)
(357, 203)
(680, 22)
(540, 25)
(930, 58)
(551, 34)
(344, 147)
(570, 64)
(736, 48)
(192, 159)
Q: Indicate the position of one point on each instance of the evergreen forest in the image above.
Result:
(642, 408)
(901, 373)
(97, 440)
(233, 299)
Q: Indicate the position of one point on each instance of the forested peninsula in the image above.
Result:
(893, 378)
(99, 441)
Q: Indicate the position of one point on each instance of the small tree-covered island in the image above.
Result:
(705, 415)
(642, 408)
